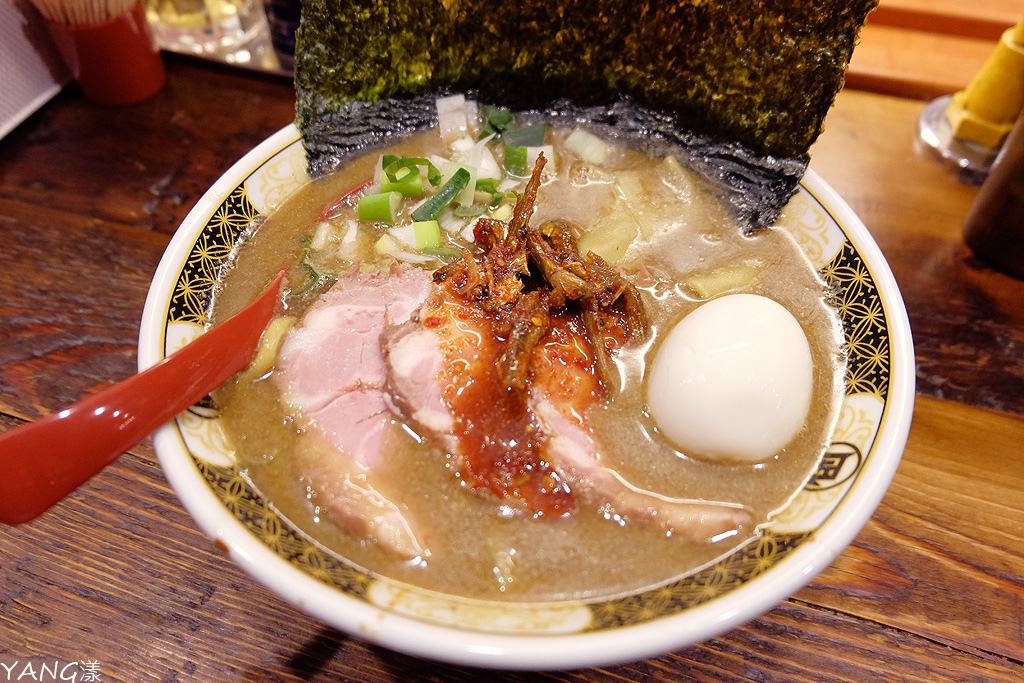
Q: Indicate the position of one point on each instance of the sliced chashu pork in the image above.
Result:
(532, 448)
(331, 373)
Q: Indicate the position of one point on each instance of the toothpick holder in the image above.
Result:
(115, 61)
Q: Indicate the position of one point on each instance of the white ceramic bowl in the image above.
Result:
(822, 520)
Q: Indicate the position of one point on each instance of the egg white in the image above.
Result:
(732, 380)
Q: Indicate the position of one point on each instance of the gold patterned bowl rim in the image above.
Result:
(805, 538)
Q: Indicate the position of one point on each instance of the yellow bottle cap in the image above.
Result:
(985, 111)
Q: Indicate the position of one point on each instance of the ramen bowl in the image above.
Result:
(801, 540)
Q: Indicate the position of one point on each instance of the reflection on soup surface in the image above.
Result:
(522, 362)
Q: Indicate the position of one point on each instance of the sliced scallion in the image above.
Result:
(495, 119)
(527, 136)
(487, 185)
(391, 166)
(469, 210)
(444, 252)
(408, 181)
(515, 160)
(380, 208)
(428, 234)
(315, 278)
(432, 208)
(487, 192)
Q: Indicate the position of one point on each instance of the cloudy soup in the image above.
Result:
(526, 362)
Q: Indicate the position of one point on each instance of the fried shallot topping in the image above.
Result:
(524, 275)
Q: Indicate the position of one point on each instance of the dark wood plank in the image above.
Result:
(931, 590)
(943, 557)
(980, 18)
(967, 319)
(927, 48)
(119, 572)
(144, 164)
(72, 289)
(175, 609)
(914, 63)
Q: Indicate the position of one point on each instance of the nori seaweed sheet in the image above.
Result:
(744, 85)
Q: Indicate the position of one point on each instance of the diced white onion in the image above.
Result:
(448, 169)
(675, 177)
(628, 184)
(473, 116)
(488, 166)
(468, 193)
(321, 237)
(509, 184)
(386, 244)
(451, 116)
(406, 234)
(412, 257)
(462, 144)
(450, 223)
(588, 146)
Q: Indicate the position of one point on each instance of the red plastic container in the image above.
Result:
(115, 61)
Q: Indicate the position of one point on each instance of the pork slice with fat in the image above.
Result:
(331, 373)
(448, 351)
(563, 389)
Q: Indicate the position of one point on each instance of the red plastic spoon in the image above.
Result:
(45, 460)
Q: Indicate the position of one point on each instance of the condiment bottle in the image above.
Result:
(994, 225)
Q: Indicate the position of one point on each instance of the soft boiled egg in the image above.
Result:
(732, 380)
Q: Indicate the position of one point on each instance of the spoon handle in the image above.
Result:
(43, 461)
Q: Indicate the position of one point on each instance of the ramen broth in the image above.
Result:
(686, 245)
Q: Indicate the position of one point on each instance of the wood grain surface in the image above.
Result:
(926, 48)
(931, 590)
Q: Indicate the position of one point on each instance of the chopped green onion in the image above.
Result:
(487, 185)
(487, 192)
(432, 208)
(380, 208)
(469, 210)
(428, 234)
(315, 278)
(443, 252)
(496, 120)
(502, 213)
(391, 165)
(409, 183)
(527, 136)
(515, 160)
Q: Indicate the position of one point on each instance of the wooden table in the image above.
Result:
(118, 575)
(928, 48)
